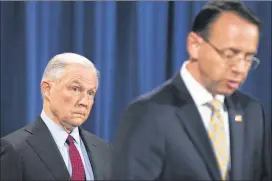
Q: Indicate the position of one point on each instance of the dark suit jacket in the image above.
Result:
(9, 162)
(163, 137)
(39, 157)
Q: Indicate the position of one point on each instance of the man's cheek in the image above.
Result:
(67, 99)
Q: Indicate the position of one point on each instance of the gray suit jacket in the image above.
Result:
(38, 158)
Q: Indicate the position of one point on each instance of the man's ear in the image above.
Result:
(193, 45)
(46, 87)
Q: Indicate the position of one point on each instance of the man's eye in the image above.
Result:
(76, 89)
(249, 58)
(91, 93)
(230, 53)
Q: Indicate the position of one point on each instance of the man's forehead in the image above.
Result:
(78, 74)
(229, 19)
(89, 81)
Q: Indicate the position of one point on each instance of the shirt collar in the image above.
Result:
(58, 133)
(199, 94)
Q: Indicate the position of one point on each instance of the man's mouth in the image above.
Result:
(233, 84)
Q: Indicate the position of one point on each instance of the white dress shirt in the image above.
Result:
(201, 97)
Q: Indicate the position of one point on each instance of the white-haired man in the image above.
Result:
(54, 147)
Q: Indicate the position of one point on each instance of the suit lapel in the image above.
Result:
(92, 152)
(43, 144)
(194, 126)
(236, 120)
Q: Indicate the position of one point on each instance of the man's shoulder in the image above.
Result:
(17, 137)
(163, 94)
(245, 98)
(95, 139)
(157, 105)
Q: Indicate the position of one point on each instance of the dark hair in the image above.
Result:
(211, 11)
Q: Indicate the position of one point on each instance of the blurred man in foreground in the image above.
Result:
(198, 125)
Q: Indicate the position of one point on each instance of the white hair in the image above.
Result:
(55, 67)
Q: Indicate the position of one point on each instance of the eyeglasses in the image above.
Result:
(230, 57)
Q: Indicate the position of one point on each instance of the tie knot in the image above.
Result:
(69, 139)
(216, 104)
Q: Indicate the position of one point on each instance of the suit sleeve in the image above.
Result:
(265, 168)
(10, 162)
(267, 149)
(138, 147)
(107, 163)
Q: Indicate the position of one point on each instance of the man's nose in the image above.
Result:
(84, 100)
(240, 66)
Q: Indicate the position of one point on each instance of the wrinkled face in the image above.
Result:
(71, 98)
(223, 60)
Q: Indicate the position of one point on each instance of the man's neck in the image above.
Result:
(193, 69)
(68, 128)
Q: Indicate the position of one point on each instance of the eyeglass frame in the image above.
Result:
(227, 59)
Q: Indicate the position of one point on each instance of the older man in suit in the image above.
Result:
(55, 147)
(197, 125)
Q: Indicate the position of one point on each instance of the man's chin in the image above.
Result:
(76, 122)
(226, 92)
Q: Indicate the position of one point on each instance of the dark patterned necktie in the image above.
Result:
(78, 172)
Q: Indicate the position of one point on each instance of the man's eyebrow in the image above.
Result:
(236, 50)
(75, 82)
(93, 89)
